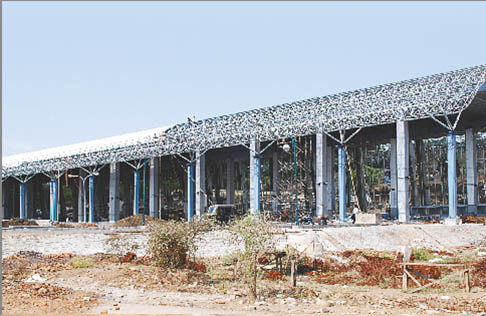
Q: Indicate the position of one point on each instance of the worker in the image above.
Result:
(355, 213)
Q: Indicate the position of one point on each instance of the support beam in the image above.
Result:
(331, 182)
(53, 200)
(23, 211)
(200, 184)
(114, 210)
(451, 174)
(190, 191)
(136, 192)
(403, 179)
(254, 176)
(342, 182)
(393, 179)
(154, 187)
(472, 173)
(230, 181)
(91, 200)
(321, 176)
(275, 181)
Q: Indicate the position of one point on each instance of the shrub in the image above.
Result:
(421, 254)
(78, 262)
(170, 242)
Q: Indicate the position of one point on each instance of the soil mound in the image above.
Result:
(136, 220)
(19, 222)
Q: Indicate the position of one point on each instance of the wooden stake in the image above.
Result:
(404, 278)
(293, 273)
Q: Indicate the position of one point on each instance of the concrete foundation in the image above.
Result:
(366, 218)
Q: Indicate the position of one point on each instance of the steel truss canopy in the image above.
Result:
(441, 94)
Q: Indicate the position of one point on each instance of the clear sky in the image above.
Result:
(74, 72)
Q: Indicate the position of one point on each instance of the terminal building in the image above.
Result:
(408, 150)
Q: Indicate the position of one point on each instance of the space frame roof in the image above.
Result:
(439, 94)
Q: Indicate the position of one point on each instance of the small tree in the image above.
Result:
(255, 232)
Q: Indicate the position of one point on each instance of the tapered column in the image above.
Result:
(451, 174)
(321, 175)
(154, 187)
(23, 212)
(190, 191)
(200, 184)
(342, 182)
(136, 192)
(472, 173)
(403, 179)
(53, 200)
(91, 199)
(331, 182)
(230, 181)
(114, 211)
(254, 176)
(275, 181)
(393, 179)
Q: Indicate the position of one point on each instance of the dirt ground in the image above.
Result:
(349, 282)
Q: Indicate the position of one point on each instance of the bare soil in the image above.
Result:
(353, 282)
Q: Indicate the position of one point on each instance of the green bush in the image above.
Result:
(421, 254)
(170, 242)
(79, 262)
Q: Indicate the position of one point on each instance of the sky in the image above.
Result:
(79, 71)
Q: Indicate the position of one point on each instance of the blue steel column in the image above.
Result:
(53, 200)
(451, 174)
(136, 192)
(91, 199)
(22, 201)
(190, 191)
(342, 182)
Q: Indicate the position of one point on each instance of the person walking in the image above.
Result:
(355, 213)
